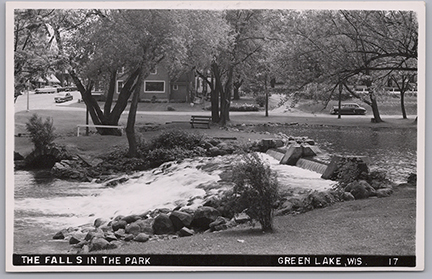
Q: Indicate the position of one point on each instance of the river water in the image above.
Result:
(45, 205)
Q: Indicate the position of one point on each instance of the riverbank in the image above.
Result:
(247, 127)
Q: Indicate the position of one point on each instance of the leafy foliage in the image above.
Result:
(176, 139)
(41, 132)
(260, 100)
(255, 190)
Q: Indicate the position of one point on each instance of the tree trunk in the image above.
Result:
(374, 105)
(340, 101)
(226, 98)
(402, 99)
(130, 127)
(237, 86)
(107, 117)
(214, 97)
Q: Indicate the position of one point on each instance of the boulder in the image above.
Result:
(141, 237)
(120, 233)
(99, 222)
(163, 225)
(116, 225)
(129, 237)
(98, 244)
(94, 234)
(59, 235)
(180, 219)
(321, 199)
(219, 224)
(242, 218)
(185, 232)
(110, 237)
(74, 240)
(131, 218)
(347, 196)
(133, 228)
(203, 216)
(360, 189)
(385, 192)
(146, 226)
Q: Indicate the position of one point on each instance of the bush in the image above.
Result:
(260, 100)
(41, 133)
(255, 190)
(176, 138)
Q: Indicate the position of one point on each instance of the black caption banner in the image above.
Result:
(215, 260)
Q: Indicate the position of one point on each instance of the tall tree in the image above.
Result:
(347, 46)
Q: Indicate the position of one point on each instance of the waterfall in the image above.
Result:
(311, 165)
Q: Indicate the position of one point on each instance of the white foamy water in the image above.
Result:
(169, 186)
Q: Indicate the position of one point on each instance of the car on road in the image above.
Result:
(63, 97)
(349, 108)
(47, 89)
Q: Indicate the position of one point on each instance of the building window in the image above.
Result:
(154, 86)
(153, 71)
(175, 87)
(119, 86)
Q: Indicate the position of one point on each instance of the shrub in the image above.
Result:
(41, 133)
(260, 100)
(176, 138)
(255, 190)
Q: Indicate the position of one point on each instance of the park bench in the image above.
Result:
(97, 126)
(200, 120)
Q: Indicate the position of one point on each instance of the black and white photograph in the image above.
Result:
(215, 136)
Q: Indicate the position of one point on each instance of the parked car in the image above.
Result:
(47, 89)
(67, 89)
(63, 97)
(349, 108)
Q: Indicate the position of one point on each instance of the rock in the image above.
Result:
(17, 156)
(385, 192)
(203, 216)
(99, 222)
(321, 199)
(163, 225)
(133, 228)
(116, 225)
(59, 235)
(284, 209)
(114, 244)
(98, 244)
(146, 226)
(185, 232)
(129, 237)
(74, 240)
(141, 237)
(218, 224)
(110, 237)
(180, 219)
(94, 234)
(360, 189)
(242, 218)
(131, 218)
(347, 196)
(120, 233)
(226, 148)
